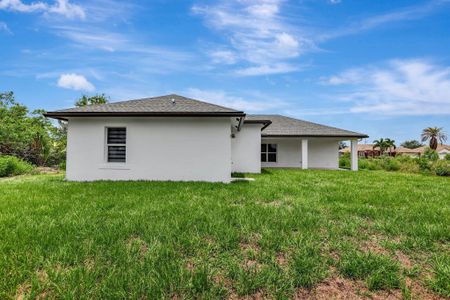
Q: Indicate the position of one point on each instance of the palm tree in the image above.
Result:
(390, 145)
(434, 134)
(381, 144)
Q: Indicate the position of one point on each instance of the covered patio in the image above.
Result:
(304, 153)
(293, 143)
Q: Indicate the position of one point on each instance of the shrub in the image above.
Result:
(344, 161)
(11, 165)
(391, 164)
(62, 165)
(374, 165)
(431, 154)
(442, 168)
(447, 157)
(424, 164)
(404, 159)
(409, 166)
(363, 164)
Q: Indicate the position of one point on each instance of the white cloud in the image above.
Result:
(93, 37)
(265, 9)
(223, 57)
(264, 36)
(258, 102)
(403, 14)
(257, 33)
(266, 70)
(69, 10)
(17, 5)
(399, 87)
(75, 82)
(4, 27)
(60, 7)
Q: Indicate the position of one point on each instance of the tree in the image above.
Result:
(434, 134)
(390, 145)
(431, 154)
(411, 144)
(29, 136)
(384, 144)
(342, 145)
(17, 128)
(92, 100)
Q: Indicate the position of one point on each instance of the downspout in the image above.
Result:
(241, 120)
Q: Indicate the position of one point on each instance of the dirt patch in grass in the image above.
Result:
(89, 263)
(250, 250)
(275, 203)
(136, 241)
(418, 291)
(260, 295)
(190, 266)
(22, 291)
(403, 259)
(42, 275)
(58, 268)
(47, 170)
(281, 260)
(372, 244)
(340, 288)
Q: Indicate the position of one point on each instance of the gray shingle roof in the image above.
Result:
(163, 105)
(285, 126)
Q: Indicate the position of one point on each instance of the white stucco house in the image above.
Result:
(181, 139)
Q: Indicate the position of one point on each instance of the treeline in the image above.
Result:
(30, 136)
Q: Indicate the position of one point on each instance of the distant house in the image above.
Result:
(443, 150)
(177, 138)
(367, 151)
(417, 152)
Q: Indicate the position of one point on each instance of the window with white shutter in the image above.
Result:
(116, 140)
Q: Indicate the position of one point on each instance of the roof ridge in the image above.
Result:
(170, 95)
(213, 104)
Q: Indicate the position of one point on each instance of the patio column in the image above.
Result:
(354, 155)
(304, 154)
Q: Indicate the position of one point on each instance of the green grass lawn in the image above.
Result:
(290, 233)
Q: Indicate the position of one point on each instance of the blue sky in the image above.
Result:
(378, 67)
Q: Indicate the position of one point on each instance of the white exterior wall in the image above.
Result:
(323, 153)
(443, 153)
(289, 153)
(246, 149)
(179, 149)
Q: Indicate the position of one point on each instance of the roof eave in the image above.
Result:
(65, 115)
(265, 123)
(316, 136)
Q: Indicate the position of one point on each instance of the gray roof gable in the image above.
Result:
(285, 126)
(162, 105)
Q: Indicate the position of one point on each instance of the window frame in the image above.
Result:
(267, 152)
(107, 145)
